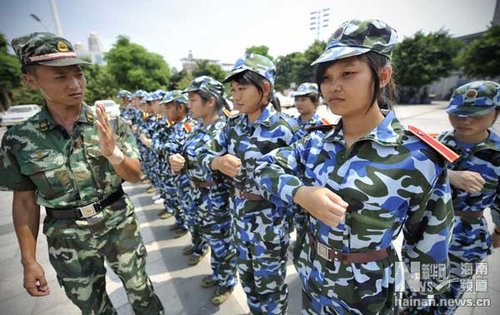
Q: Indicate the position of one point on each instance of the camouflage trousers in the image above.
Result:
(261, 238)
(470, 244)
(78, 256)
(172, 203)
(330, 287)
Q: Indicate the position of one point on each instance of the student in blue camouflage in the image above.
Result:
(211, 214)
(261, 228)
(362, 182)
(176, 106)
(475, 181)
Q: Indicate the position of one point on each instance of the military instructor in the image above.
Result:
(72, 159)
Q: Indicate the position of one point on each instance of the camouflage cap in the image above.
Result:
(140, 93)
(357, 37)
(175, 95)
(159, 94)
(476, 98)
(147, 98)
(256, 63)
(206, 84)
(124, 94)
(306, 89)
(43, 48)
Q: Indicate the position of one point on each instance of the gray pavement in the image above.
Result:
(176, 283)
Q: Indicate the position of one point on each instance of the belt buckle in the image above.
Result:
(87, 211)
(322, 250)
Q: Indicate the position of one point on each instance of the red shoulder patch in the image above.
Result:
(188, 127)
(446, 152)
(325, 121)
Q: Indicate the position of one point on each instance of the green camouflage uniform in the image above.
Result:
(67, 171)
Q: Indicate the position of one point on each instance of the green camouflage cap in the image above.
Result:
(175, 95)
(43, 48)
(476, 98)
(206, 84)
(124, 94)
(256, 63)
(306, 89)
(357, 37)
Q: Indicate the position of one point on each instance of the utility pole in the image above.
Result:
(318, 20)
(55, 14)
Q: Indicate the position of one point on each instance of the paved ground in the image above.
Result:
(176, 283)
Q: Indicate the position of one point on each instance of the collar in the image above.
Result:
(492, 142)
(388, 133)
(266, 118)
(47, 122)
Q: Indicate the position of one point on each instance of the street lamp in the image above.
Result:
(318, 20)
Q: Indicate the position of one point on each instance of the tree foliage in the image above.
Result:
(100, 83)
(295, 68)
(481, 58)
(261, 50)
(424, 58)
(204, 67)
(10, 73)
(133, 67)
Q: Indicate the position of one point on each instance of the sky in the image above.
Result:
(223, 29)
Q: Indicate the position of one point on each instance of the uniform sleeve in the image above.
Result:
(279, 172)
(126, 140)
(216, 147)
(495, 207)
(427, 232)
(11, 178)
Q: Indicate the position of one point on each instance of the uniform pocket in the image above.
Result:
(50, 175)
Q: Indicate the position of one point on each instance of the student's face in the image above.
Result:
(304, 105)
(174, 112)
(59, 85)
(472, 127)
(155, 106)
(197, 105)
(123, 101)
(246, 97)
(347, 87)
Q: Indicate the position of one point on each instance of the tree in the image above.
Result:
(481, 58)
(100, 83)
(204, 67)
(10, 74)
(177, 79)
(133, 67)
(261, 50)
(422, 59)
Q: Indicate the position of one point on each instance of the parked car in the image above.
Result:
(286, 101)
(18, 113)
(112, 108)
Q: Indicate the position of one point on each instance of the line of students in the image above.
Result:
(357, 184)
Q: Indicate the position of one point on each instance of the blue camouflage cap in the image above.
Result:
(206, 84)
(476, 98)
(256, 63)
(175, 95)
(140, 93)
(157, 95)
(357, 37)
(306, 88)
(148, 97)
(124, 94)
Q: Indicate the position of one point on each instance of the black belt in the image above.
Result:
(85, 211)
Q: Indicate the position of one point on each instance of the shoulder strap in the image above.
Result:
(446, 152)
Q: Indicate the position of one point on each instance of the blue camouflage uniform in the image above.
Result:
(374, 177)
(471, 241)
(392, 181)
(209, 207)
(261, 228)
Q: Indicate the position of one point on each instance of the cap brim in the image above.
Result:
(63, 62)
(468, 111)
(233, 73)
(337, 53)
